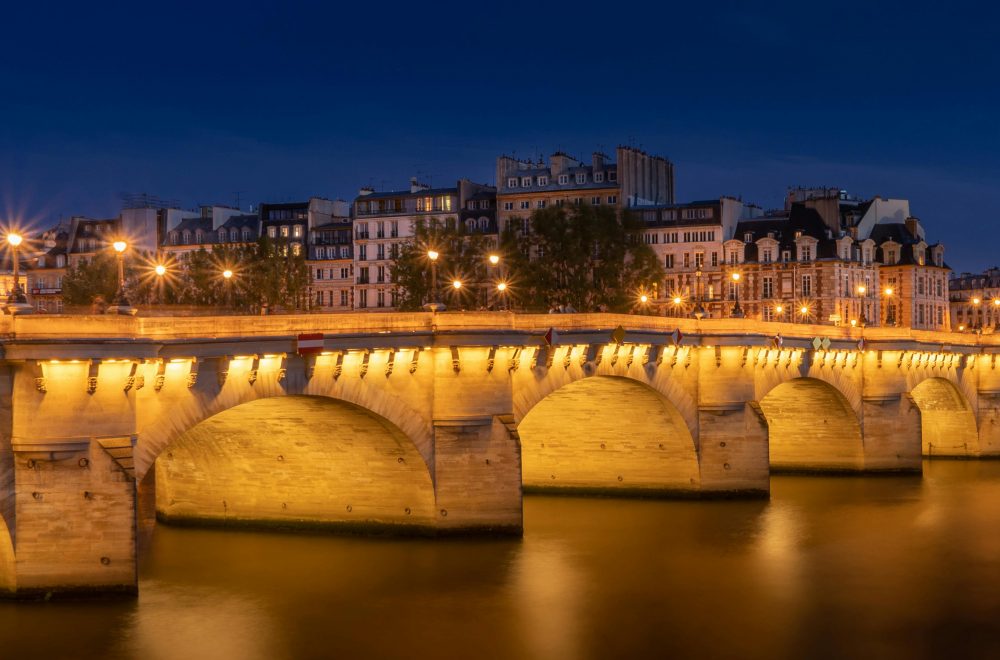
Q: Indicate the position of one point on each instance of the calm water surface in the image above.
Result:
(887, 567)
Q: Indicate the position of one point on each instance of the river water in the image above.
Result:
(829, 567)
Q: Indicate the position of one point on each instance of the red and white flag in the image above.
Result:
(310, 343)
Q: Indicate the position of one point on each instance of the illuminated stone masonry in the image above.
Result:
(435, 424)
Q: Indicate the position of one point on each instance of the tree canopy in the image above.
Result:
(462, 257)
(264, 273)
(589, 257)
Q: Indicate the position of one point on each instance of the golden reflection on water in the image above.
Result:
(829, 567)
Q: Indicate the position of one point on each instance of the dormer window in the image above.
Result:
(806, 251)
(613, 175)
(890, 257)
(581, 178)
(543, 180)
(563, 179)
(598, 177)
(748, 237)
(798, 234)
(525, 181)
(512, 182)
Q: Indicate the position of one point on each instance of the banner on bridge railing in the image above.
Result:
(309, 343)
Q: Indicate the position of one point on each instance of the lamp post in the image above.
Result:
(804, 312)
(501, 291)
(862, 290)
(737, 312)
(17, 303)
(698, 312)
(160, 271)
(974, 321)
(227, 276)
(120, 304)
(494, 260)
(779, 309)
(888, 292)
(433, 256)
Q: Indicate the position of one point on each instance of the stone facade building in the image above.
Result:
(330, 260)
(636, 179)
(974, 301)
(385, 221)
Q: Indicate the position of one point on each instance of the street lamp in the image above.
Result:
(698, 312)
(433, 256)
(227, 276)
(17, 303)
(456, 284)
(889, 307)
(494, 259)
(804, 312)
(737, 312)
(862, 290)
(120, 304)
(160, 271)
(974, 322)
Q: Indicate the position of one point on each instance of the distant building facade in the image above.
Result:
(974, 301)
(635, 179)
(385, 221)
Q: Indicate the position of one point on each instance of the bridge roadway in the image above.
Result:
(428, 423)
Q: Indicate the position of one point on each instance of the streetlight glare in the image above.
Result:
(14, 239)
(862, 289)
(976, 301)
(779, 309)
(432, 255)
(644, 298)
(160, 270)
(502, 286)
(494, 259)
(119, 246)
(457, 284)
(888, 291)
(804, 310)
(677, 300)
(227, 273)
(736, 277)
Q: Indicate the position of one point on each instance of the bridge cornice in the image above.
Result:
(109, 337)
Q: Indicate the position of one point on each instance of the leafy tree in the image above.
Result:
(584, 256)
(98, 277)
(463, 257)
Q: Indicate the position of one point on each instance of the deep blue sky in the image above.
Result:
(195, 101)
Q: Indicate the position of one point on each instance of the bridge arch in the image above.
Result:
(812, 426)
(534, 385)
(7, 562)
(607, 433)
(297, 460)
(207, 399)
(947, 422)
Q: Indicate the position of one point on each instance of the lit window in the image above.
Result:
(284, 230)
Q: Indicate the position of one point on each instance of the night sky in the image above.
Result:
(279, 101)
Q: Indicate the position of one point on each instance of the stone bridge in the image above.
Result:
(437, 423)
